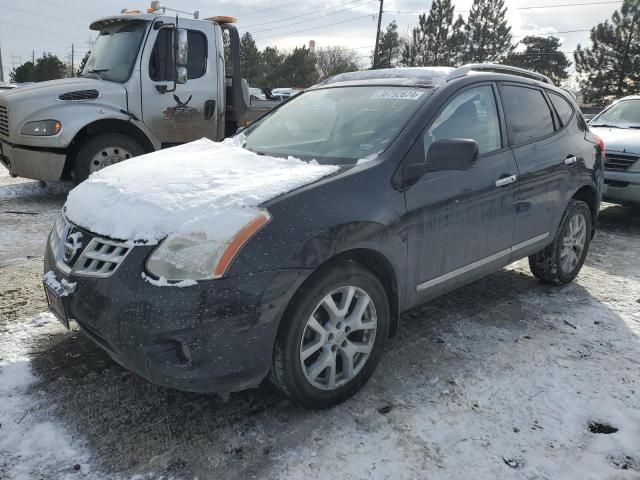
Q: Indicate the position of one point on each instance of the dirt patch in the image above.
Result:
(21, 293)
(595, 427)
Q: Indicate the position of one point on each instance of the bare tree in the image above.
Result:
(334, 60)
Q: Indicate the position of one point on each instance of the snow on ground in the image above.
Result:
(202, 186)
(509, 412)
(33, 444)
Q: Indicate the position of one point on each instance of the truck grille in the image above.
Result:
(619, 162)
(101, 257)
(4, 121)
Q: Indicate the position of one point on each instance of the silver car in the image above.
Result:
(619, 127)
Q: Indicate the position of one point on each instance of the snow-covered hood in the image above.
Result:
(202, 186)
(625, 140)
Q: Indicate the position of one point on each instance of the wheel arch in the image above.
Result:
(109, 125)
(378, 264)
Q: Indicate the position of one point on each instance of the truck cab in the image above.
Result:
(151, 81)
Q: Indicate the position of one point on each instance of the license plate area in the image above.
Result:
(58, 298)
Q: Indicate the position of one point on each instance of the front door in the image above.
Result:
(190, 112)
(460, 222)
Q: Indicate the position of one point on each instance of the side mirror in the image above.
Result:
(452, 154)
(182, 54)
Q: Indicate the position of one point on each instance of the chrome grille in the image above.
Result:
(619, 162)
(4, 121)
(101, 257)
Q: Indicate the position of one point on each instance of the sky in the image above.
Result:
(34, 26)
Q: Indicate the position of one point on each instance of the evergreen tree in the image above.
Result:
(299, 68)
(272, 61)
(542, 55)
(611, 67)
(437, 39)
(331, 61)
(47, 67)
(389, 48)
(487, 35)
(250, 63)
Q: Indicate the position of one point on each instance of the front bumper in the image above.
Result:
(622, 187)
(215, 336)
(32, 163)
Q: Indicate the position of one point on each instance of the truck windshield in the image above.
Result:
(114, 54)
(624, 114)
(336, 125)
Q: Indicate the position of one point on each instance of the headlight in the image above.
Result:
(202, 255)
(42, 128)
(56, 233)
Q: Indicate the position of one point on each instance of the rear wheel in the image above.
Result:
(332, 337)
(104, 150)
(561, 261)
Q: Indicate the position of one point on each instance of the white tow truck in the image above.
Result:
(152, 80)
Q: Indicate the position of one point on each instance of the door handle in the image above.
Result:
(501, 182)
(570, 160)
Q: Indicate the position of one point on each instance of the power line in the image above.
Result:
(266, 9)
(314, 18)
(41, 30)
(310, 13)
(319, 27)
(93, 14)
(518, 8)
(46, 16)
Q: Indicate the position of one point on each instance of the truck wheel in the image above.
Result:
(561, 261)
(104, 150)
(331, 338)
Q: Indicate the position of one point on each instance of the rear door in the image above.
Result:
(461, 222)
(190, 112)
(547, 159)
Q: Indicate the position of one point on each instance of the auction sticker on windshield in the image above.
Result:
(394, 94)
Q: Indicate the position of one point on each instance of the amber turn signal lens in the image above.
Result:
(238, 242)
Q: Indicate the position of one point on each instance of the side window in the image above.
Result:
(161, 67)
(528, 114)
(564, 108)
(471, 114)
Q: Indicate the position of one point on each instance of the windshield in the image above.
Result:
(336, 125)
(115, 52)
(624, 114)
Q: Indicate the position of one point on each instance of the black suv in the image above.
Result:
(442, 176)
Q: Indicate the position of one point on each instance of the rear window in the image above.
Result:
(528, 115)
(563, 108)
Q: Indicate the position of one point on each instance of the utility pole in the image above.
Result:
(375, 52)
(33, 57)
(72, 70)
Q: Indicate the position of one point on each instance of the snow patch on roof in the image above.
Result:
(200, 186)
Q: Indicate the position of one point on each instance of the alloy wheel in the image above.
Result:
(338, 338)
(573, 242)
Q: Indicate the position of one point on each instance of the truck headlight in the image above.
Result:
(41, 128)
(202, 255)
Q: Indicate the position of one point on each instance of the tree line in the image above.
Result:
(607, 69)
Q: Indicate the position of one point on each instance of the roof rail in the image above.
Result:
(497, 68)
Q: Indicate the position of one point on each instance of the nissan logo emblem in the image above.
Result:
(72, 244)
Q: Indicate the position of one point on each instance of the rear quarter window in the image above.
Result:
(562, 106)
(528, 115)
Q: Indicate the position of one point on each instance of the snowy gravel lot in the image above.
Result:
(501, 379)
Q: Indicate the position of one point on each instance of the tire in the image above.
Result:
(107, 149)
(558, 266)
(295, 376)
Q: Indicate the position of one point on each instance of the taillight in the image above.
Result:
(600, 145)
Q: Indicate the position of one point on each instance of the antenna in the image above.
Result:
(156, 6)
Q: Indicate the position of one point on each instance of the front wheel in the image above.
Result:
(561, 261)
(332, 337)
(103, 150)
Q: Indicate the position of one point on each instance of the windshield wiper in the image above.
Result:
(605, 125)
(96, 71)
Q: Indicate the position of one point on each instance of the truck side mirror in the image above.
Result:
(182, 54)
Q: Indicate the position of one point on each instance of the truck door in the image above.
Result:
(191, 111)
